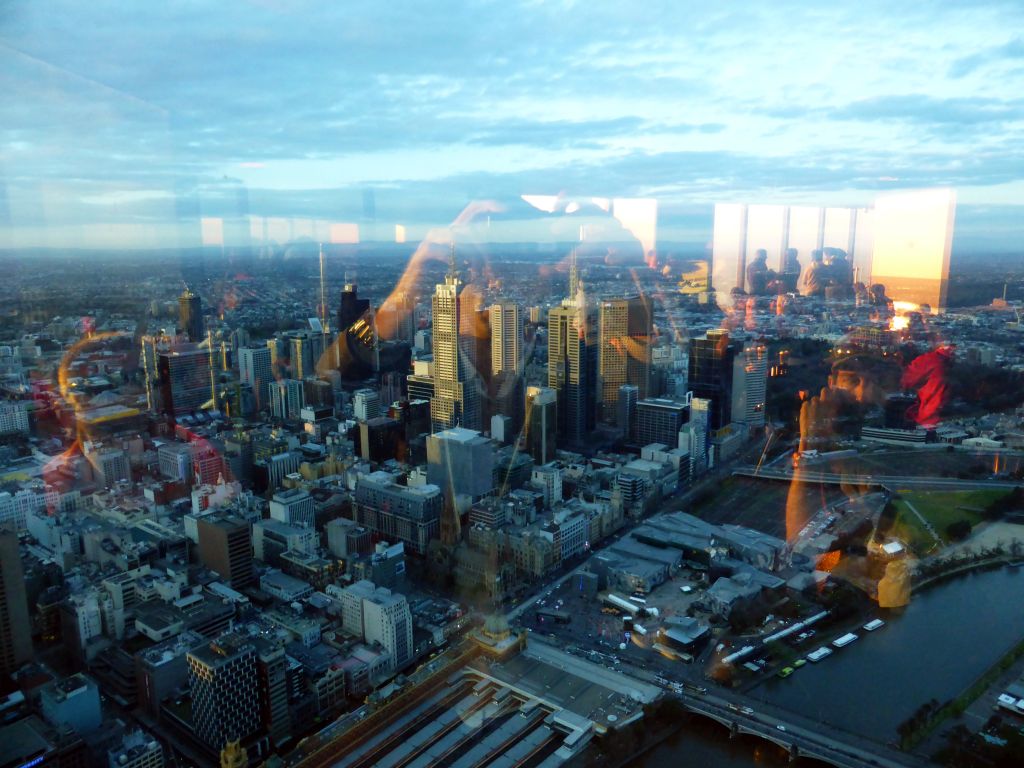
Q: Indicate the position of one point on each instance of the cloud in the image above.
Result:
(109, 114)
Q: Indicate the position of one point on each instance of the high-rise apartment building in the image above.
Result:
(15, 629)
(225, 546)
(749, 385)
(456, 399)
(506, 336)
(225, 690)
(190, 316)
(624, 355)
(710, 374)
(254, 369)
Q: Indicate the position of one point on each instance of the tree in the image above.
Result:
(958, 530)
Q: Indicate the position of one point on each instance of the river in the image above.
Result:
(934, 648)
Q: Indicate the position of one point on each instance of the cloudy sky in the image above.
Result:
(121, 124)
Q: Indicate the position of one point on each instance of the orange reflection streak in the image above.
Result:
(52, 467)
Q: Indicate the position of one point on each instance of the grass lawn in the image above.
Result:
(940, 508)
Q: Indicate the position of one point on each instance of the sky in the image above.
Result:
(134, 125)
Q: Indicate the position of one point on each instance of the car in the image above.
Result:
(799, 663)
(746, 710)
(785, 672)
(781, 727)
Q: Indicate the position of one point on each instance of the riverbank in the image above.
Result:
(873, 685)
(916, 730)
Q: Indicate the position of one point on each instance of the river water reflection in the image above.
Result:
(934, 648)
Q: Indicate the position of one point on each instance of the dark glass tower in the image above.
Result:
(190, 315)
(710, 374)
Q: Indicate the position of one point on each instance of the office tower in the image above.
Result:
(186, 380)
(272, 682)
(461, 463)
(410, 514)
(365, 404)
(387, 620)
(351, 307)
(507, 399)
(396, 319)
(541, 423)
(15, 629)
(659, 421)
(695, 435)
(572, 368)
(455, 401)
(381, 439)
(710, 374)
(306, 353)
(287, 398)
(480, 343)
(225, 546)
(629, 395)
(391, 389)
(749, 383)
(912, 244)
(295, 507)
(190, 316)
(506, 336)
(225, 690)
(420, 383)
(625, 350)
(255, 369)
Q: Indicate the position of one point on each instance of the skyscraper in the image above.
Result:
(711, 376)
(351, 307)
(190, 316)
(572, 361)
(254, 370)
(225, 690)
(506, 334)
(749, 383)
(695, 435)
(541, 423)
(455, 401)
(625, 350)
(15, 629)
(186, 380)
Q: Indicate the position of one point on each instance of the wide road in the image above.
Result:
(806, 475)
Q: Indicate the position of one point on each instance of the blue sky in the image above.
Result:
(122, 122)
